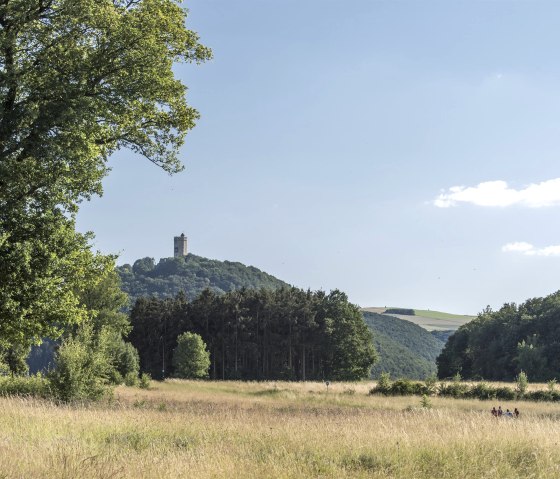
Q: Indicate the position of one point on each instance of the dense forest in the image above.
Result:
(405, 349)
(251, 334)
(497, 345)
(190, 275)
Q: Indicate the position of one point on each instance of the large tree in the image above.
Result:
(79, 79)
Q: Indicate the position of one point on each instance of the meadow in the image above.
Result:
(198, 429)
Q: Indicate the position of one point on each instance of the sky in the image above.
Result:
(404, 152)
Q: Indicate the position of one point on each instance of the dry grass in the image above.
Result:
(286, 430)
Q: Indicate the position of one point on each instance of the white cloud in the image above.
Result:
(529, 250)
(498, 193)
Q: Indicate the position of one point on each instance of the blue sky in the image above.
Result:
(404, 152)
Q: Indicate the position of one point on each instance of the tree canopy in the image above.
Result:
(287, 333)
(191, 275)
(79, 79)
(497, 345)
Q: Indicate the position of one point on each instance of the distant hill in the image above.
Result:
(191, 274)
(405, 349)
(427, 319)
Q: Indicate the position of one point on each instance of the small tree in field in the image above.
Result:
(191, 359)
(522, 382)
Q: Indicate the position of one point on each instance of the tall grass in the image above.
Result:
(201, 430)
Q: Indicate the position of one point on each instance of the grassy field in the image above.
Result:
(285, 430)
(430, 320)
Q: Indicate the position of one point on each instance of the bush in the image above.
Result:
(522, 382)
(383, 383)
(505, 393)
(191, 359)
(81, 368)
(454, 389)
(131, 379)
(482, 391)
(33, 386)
(145, 381)
(538, 396)
(405, 387)
(430, 383)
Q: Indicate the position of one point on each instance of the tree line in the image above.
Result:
(498, 345)
(259, 334)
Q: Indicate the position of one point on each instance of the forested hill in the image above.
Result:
(405, 349)
(192, 275)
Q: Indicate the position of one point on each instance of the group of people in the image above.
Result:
(499, 413)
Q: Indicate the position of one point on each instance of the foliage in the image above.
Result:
(497, 345)
(131, 379)
(79, 80)
(521, 383)
(14, 358)
(405, 349)
(191, 359)
(82, 368)
(384, 382)
(443, 336)
(259, 334)
(144, 381)
(191, 275)
(401, 387)
(32, 386)
(425, 402)
(403, 311)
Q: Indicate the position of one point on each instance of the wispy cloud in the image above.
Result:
(499, 194)
(529, 250)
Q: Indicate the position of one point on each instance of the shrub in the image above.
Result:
(405, 387)
(505, 393)
(145, 381)
(522, 382)
(81, 368)
(454, 389)
(191, 359)
(425, 402)
(482, 391)
(538, 396)
(551, 385)
(383, 383)
(33, 386)
(131, 379)
(430, 383)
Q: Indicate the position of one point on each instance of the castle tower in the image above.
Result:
(180, 246)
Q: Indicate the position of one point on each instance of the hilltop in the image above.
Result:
(191, 274)
(405, 349)
(427, 319)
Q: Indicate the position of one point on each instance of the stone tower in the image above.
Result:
(180, 246)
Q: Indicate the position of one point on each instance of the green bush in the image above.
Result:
(145, 381)
(538, 396)
(482, 391)
(33, 386)
(522, 383)
(81, 368)
(454, 389)
(191, 359)
(384, 382)
(505, 393)
(405, 387)
(131, 379)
